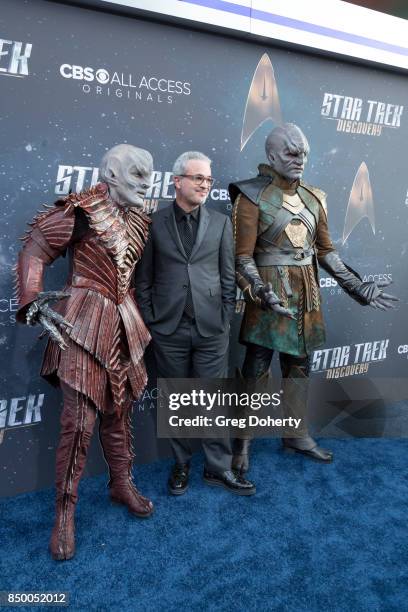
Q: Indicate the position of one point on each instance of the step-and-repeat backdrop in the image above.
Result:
(75, 82)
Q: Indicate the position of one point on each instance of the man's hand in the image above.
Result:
(375, 297)
(40, 312)
(271, 301)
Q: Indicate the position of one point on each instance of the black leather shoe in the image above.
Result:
(178, 479)
(231, 481)
(316, 453)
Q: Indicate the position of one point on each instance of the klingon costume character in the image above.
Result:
(281, 234)
(97, 336)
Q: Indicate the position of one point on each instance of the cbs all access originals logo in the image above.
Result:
(77, 178)
(350, 359)
(19, 412)
(330, 284)
(147, 400)
(8, 308)
(403, 350)
(128, 86)
(14, 56)
(358, 116)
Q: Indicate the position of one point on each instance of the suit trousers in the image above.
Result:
(187, 354)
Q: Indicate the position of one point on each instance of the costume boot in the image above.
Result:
(77, 421)
(255, 369)
(295, 391)
(240, 446)
(116, 440)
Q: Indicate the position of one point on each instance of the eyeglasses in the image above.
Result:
(199, 179)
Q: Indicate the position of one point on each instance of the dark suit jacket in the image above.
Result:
(164, 272)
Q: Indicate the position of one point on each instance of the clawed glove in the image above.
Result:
(367, 294)
(269, 300)
(40, 312)
(373, 295)
(254, 288)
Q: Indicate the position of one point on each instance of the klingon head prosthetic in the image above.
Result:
(287, 150)
(127, 170)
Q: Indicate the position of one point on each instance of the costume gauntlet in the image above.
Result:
(367, 294)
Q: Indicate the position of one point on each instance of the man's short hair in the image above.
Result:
(181, 162)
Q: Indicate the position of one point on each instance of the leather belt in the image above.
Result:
(283, 257)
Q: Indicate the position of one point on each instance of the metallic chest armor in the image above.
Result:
(290, 237)
(122, 232)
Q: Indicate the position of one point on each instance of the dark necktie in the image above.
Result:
(188, 235)
(188, 247)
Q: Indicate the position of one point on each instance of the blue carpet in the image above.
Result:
(315, 537)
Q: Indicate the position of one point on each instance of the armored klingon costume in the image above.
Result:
(98, 361)
(281, 235)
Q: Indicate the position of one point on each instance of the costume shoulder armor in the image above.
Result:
(88, 197)
(251, 188)
(319, 194)
(55, 222)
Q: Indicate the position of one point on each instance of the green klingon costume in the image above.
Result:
(280, 230)
(284, 230)
(281, 236)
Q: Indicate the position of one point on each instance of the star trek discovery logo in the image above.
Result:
(14, 56)
(20, 412)
(360, 204)
(358, 116)
(76, 178)
(127, 86)
(349, 360)
(263, 100)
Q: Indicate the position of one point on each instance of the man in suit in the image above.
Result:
(185, 287)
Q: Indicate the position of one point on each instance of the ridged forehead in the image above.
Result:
(295, 139)
(288, 136)
(125, 155)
